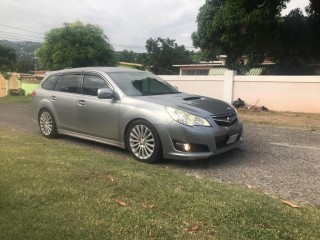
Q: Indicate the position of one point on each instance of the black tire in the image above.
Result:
(47, 123)
(143, 142)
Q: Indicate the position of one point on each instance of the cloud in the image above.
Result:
(295, 4)
(125, 22)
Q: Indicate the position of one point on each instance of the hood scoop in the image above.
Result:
(192, 98)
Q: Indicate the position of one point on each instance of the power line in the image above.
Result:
(19, 36)
(17, 39)
(21, 29)
(114, 45)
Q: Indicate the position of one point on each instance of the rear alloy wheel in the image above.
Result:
(143, 142)
(47, 124)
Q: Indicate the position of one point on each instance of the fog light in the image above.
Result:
(186, 147)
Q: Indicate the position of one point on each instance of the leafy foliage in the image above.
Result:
(76, 45)
(238, 28)
(294, 49)
(248, 32)
(163, 53)
(299, 39)
(128, 56)
(8, 58)
(313, 11)
(26, 64)
(314, 8)
(17, 92)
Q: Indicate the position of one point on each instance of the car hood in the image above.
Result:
(195, 104)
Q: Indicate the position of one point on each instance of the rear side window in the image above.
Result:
(50, 82)
(70, 83)
(92, 83)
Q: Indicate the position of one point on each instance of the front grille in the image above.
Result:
(225, 120)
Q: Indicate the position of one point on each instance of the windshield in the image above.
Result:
(141, 84)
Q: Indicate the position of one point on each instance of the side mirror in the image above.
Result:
(107, 93)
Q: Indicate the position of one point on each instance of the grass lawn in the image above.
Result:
(16, 99)
(52, 190)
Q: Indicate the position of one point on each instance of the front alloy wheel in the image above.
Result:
(143, 141)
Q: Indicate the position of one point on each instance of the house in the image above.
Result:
(35, 77)
(204, 68)
(219, 67)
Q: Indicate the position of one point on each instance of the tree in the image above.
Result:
(313, 11)
(26, 63)
(238, 28)
(163, 53)
(314, 8)
(295, 47)
(75, 45)
(127, 56)
(8, 58)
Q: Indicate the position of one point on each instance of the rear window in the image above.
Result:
(50, 82)
(70, 83)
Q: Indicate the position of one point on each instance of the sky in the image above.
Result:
(128, 24)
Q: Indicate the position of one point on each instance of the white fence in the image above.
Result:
(279, 93)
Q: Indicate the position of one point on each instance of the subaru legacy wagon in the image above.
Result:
(134, 110)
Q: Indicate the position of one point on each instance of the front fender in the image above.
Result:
(134, 109)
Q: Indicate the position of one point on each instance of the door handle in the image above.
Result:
(53, 98)
(81, 103)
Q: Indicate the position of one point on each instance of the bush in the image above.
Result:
(17, 92)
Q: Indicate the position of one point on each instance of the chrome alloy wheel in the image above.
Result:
(142, 142)
(46, 123)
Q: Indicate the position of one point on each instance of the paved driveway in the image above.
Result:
(280, 161)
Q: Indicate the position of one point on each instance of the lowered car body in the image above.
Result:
(135, 110)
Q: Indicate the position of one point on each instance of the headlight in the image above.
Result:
(186, 118)
(235, 109)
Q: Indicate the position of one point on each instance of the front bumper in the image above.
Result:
(204, 141)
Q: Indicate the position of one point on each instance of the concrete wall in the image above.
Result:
(203, 85)
(279, 93)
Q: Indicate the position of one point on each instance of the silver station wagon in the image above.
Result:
(135, 110)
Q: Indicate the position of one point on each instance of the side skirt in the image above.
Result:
(92, 138)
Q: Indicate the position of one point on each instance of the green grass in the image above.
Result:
(29, 86)
(53, 190)
(16, 99)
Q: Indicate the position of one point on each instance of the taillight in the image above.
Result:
(34, 93)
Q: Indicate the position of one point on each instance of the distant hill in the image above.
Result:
(26, 61)
(26, 48)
